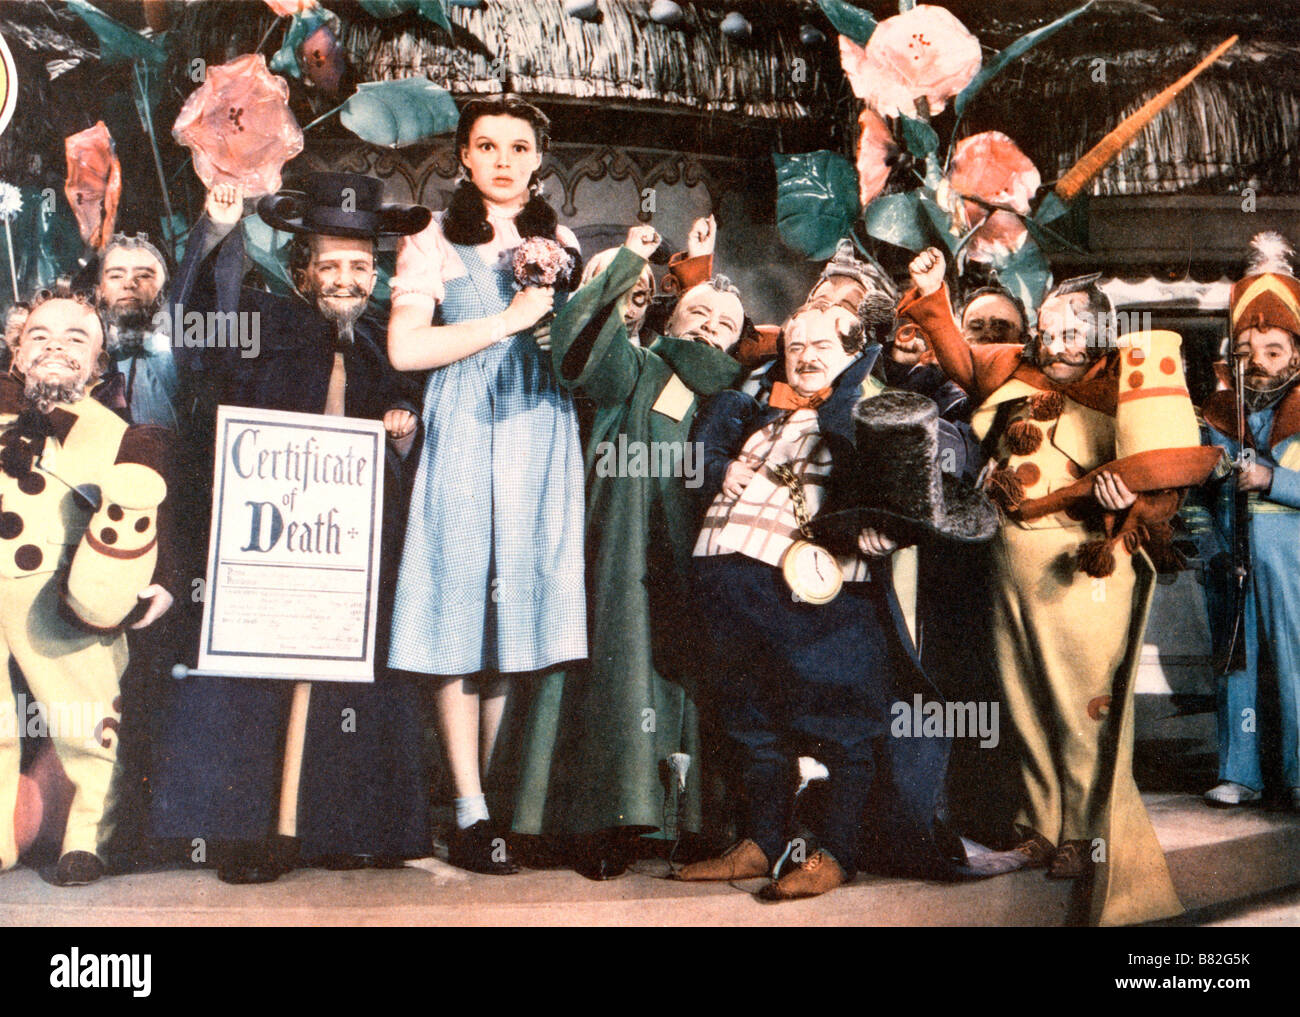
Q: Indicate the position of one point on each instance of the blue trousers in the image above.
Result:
(1272, 631)
(798, 679)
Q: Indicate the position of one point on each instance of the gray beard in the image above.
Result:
(343, 320)
(45, 395)
(131, 322)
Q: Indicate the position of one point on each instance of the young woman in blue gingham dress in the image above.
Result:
(491, 580)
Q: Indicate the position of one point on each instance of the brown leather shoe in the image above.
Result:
(815, 876)
(1070, 861)
(1037, 849)
(740, 861)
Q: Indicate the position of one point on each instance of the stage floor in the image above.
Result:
(1217, 857)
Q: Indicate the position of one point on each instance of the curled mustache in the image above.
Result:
(344, 291)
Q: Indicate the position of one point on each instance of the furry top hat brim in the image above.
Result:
(290, 211)
(969, 518)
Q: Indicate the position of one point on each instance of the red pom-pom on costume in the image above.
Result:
(1096, 558)
(1005, 488)
(1023, 438)
(1046, 405)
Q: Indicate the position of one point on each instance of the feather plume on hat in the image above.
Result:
(1270, 252)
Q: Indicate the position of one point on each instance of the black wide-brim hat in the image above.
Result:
(341, 205)
(896, 483)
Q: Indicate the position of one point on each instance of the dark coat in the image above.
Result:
(218, 767)
(904, 833)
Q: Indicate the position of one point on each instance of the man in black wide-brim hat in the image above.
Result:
(362, 795)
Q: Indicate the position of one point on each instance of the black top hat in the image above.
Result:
(341, 205)
(896, 483)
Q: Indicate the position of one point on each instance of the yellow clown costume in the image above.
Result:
(1072, 583)
(71, 651)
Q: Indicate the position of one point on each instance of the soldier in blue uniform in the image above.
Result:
(1265, 321)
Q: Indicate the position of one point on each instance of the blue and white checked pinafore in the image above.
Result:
(492, 568)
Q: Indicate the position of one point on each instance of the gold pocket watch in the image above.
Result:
(811, 571)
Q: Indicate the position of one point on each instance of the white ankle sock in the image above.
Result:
(469, 810)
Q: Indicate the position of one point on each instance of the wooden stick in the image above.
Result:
(1094, 161)
(294, 743)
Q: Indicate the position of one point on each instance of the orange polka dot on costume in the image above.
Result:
(1135, 379)
(1028, 474)
(28, 557)
(1168, 366)
(1136, 355)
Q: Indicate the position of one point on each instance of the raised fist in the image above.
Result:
(643, 241)
(225, 204)
(927, 270)
(702, 237)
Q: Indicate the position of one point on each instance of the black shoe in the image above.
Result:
(77, 868)
(479, 850)
(602, 868)
(249, 863)
(605, 855)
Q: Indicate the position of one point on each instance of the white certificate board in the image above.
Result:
(293, 556)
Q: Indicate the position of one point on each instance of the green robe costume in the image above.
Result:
(598, 737)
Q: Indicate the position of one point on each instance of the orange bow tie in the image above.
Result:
(786, 398)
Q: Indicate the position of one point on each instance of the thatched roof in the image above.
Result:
(543, 51)
(1238, 125)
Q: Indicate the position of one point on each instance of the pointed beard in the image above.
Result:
(344, 318)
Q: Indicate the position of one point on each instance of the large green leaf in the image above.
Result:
(1050, 208)
(46, 243)
(848, 20)
(919, 137)
(1026, 274)
(397, 113)
(430, 10)
(1067, 229)
(117, 43)
(303, 24)
(896, 219)
(942, 223)
(1017, 49)
(269, 249)
(816, 201)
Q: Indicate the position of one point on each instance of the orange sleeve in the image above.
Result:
(934, 317)
(977, 370)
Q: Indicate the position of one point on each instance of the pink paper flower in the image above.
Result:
(238, 126)
(94, 183)
(542, 262)
(922, 53)
(288, 8)
(991, 166)
(876, 154)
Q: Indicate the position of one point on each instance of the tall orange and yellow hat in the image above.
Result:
(1269, 294)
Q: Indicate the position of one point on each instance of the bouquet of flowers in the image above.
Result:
(540, 261)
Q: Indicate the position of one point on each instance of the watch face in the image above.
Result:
(813, 573)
